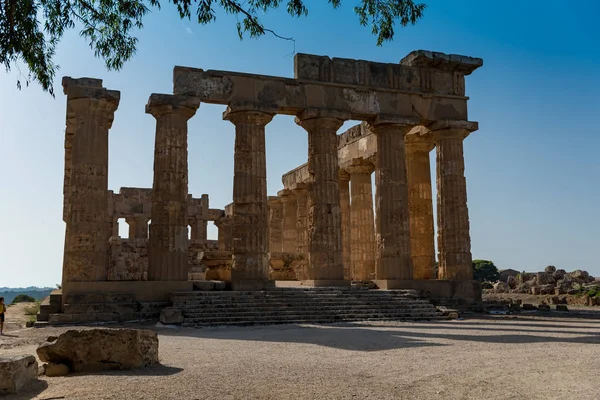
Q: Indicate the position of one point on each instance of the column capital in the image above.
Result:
(311, 118)
(162, 104)
(344, 175)
(419, 140)
(385, 123)
(223, 222)
(300, 188)
(273, 200)
(85, 98)
(452, 129)
(248, 113)
(360, 166)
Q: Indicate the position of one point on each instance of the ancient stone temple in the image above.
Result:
(325, 227)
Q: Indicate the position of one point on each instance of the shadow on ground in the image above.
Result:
(33, 389)
(374, 337)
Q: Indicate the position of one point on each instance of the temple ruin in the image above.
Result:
(323, 229)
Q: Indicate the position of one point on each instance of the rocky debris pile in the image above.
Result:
(551, 281)
(16, 372)
(98, 349)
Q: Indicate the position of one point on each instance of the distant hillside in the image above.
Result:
(36, 292)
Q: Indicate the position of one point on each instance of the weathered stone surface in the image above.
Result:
(454, 241)
(55, 369)
(250, 228)
(168, 238)
(559, 274)
(562, 307)
(171, 316)
(325, 236)
(501, 287)
(16, 372)
(102, 349)
(346, 222)
(550, 269)
(420, 203)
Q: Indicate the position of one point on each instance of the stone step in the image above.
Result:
(85, 308)
(176, 299)
(300, 321)
(49, 308)
(42, 317)
(287, 303)
(95, 298)
(310, 306)
(307, 319)
(316, 313)
(302, 307)
(298, 292)
(77, 318)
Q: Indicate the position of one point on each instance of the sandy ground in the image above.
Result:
(485, 358)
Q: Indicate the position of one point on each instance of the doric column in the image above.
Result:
(89, 226)
(250, 268)
(391, 199)
(224, 224)
(301, 194)
(362, 221)
(420, 202)
(454, 241)
(289, 220)
(275, 224)
(138, 227)
(345, 215)
(325, 233)
(198, 228)
(168, 240)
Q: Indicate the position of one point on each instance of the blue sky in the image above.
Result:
(532, 169)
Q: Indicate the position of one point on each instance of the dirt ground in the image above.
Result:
(505, 357)
(16, 317)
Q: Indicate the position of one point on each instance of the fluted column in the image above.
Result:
(275, 224)
(168, 240)
(391, 199)
(420, 203)
(198, 228)
(88, 224)
(289, 220)
(224, 225)
(325, 230)
(250, 268)
(345, 215)
(138, 227)
(454, 241)
(362, 221)
(301, 194)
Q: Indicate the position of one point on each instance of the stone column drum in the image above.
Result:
(393, 228)
(345, 215)
(301, 193)
(224, 234)
(275, 224)
(250, 268)
(88, 223)
(420, 203)
(138, 227)
(289, 220)
(362, 221)
(325, 265)
(454, 241)
(168, 239)
(198, 227)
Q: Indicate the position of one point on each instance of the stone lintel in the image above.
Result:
(291, 96)
(67, 81)
(297, 175)
(406, 75)
(159, 104)
(284, 193)
(299, 187)
(441, 61)
(214, 214)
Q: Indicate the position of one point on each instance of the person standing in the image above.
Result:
(2, 311)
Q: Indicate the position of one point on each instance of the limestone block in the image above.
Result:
(562, 307)
(101, 349)
(204, 285)
(171, 316)
(559, 274)
(16, 372)
(55, 369)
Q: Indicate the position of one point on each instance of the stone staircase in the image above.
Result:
(299, 305)
(105, 307)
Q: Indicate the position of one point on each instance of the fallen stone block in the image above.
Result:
(171, 316)
(101, 349)
(528, 306)
(543, 307)
(562, 307)
(55, 369)
(16, 372)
